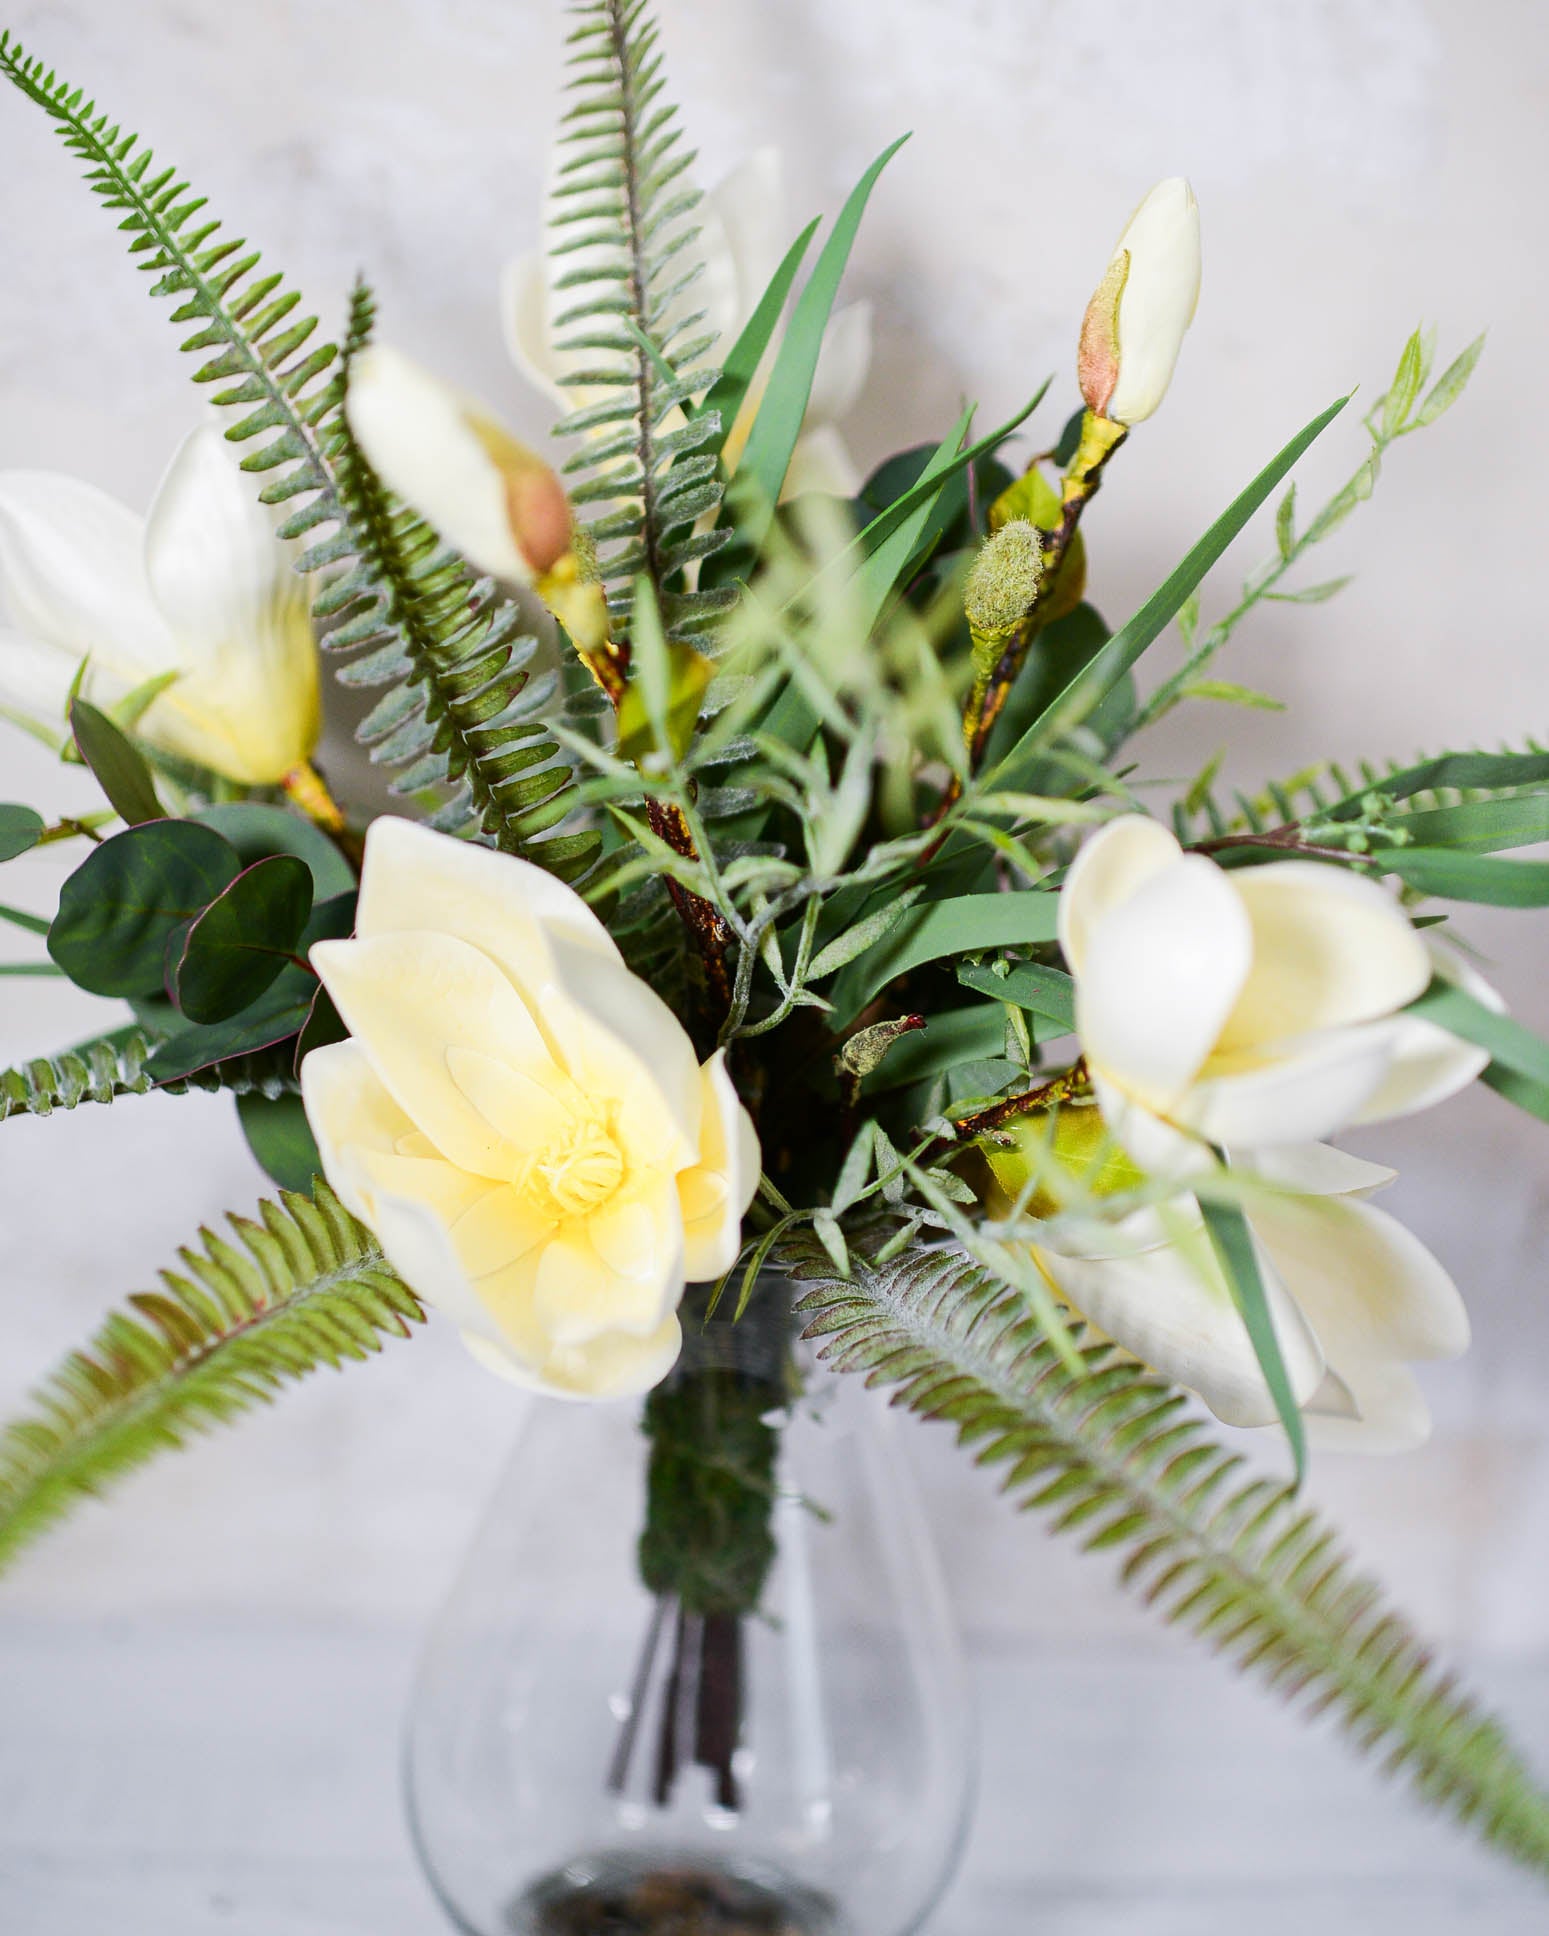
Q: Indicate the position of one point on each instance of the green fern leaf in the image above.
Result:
(623, 217)
(412, 613)
(113, 1065)
(1113, 1456)
(303, 1286)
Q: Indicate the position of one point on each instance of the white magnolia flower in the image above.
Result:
(487, 495)
(1247, 1008)
(201, 587)
(744, 236)
(520, 1119)
(1135, 323)
(1353, 1296)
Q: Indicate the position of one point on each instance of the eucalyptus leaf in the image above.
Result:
(257, 830)
(243, 939)
(121, 907)
(117, 764)
(20, 829)
(281, 1138)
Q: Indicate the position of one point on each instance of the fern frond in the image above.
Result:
(623, 246)
(302, 1286)
(113, 1065)
(409, 608)
(1114, 1457)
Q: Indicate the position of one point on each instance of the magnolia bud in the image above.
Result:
(490, 497)
(1135, 323)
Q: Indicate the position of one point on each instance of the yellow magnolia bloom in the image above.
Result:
(1135, 323)
(744, 232)
(521, 1120)
(201, 588)
(1247, 1008)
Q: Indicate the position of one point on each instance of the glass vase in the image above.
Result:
(698, 1676)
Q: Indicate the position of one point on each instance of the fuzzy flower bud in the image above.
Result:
(1003, 584)
(1135, 323)
(491, 497)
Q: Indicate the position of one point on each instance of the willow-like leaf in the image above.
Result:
(1114, 1456)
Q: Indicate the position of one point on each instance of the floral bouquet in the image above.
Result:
(775, 963)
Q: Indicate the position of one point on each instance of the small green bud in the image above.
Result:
(1003, 582)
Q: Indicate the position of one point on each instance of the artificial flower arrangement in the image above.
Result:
(773, 926)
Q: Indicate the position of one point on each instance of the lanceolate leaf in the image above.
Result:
(119, 769)
(729, 391)
(1463, 771)
(1045, 991)
(1115, 1457)
(957, 927)
(1086, 690)
(1482, 826)
(1519, 1060)
(301, 1286)
(1456, 876)
(1232, 1241)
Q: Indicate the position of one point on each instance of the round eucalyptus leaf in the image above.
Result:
(243, 939)
(119, 908)
(256, 830)
(20, 828)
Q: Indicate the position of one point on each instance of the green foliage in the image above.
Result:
(116, 764)
(121, 909)
(392, 595)
(1232, 1241)
(1111, 1454)
(281, 1139)
(238, 946)
(461, 707)
(20, 829)
(117, 1064)
(301, 1286)
(623, 212)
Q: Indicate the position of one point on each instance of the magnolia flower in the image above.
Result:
(520, 1119)
(201, 588)
(1246, 1008)
(743, 238)
(1353, 1297)
(1134, 325)
(490, 497)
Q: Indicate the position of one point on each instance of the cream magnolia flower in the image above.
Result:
(1135, 323)
(1353, 1296)
(201, 587)
(1246, 1008)
(487, 495)
(743, 238)
(520, 1119)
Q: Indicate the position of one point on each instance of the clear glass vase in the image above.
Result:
(772, 1738)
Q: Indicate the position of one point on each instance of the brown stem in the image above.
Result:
(1061, 1088)
(705, 923)
(1286, 839)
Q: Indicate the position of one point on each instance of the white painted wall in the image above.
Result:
(1360, 164)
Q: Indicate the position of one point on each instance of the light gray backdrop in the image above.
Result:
(1360, 166)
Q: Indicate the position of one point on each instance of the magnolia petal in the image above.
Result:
(495, 1230)
(715, 1193)
(72, 575)
(1174, 1312)
(1112, 865)
(530, 1111)
(620, 1270)
(524, 316)
(1376, 1297)
(615, 1366)
(1330, 949)
(1428, 1063)
(409, 998)
(36, 677)
(1157, 1146)
(1158, 298)
(414, 878)
(1162, 970)
(350, 1113)
(422, 438)
(1315, 1170)
(246, 701)
(617, 1037)
(1313, 1090)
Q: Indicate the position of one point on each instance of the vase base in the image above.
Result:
(628, 1893)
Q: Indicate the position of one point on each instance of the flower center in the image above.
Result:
(578, 1171)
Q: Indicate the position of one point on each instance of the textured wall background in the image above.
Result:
(1360, 164)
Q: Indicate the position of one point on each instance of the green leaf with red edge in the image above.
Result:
(20, 829)
(245, 937)
(121, 906)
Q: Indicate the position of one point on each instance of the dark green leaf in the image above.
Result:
(323, 1025)
(30, 968)
(1467, 772)
(970, 922)
(120, 770)
(1108, 666)
(242, 940)
(119, 909)
(1044, 991)
(280, 1136)
(1454, 876)
(1232, 1241)
(19, 918)
(1482, 826)
(729, 391)
(1519, 1060)
(20, 829)
(257, 831)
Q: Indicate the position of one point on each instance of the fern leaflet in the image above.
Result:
(1113, 1455)
(113, 1065)
(303, 1286)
